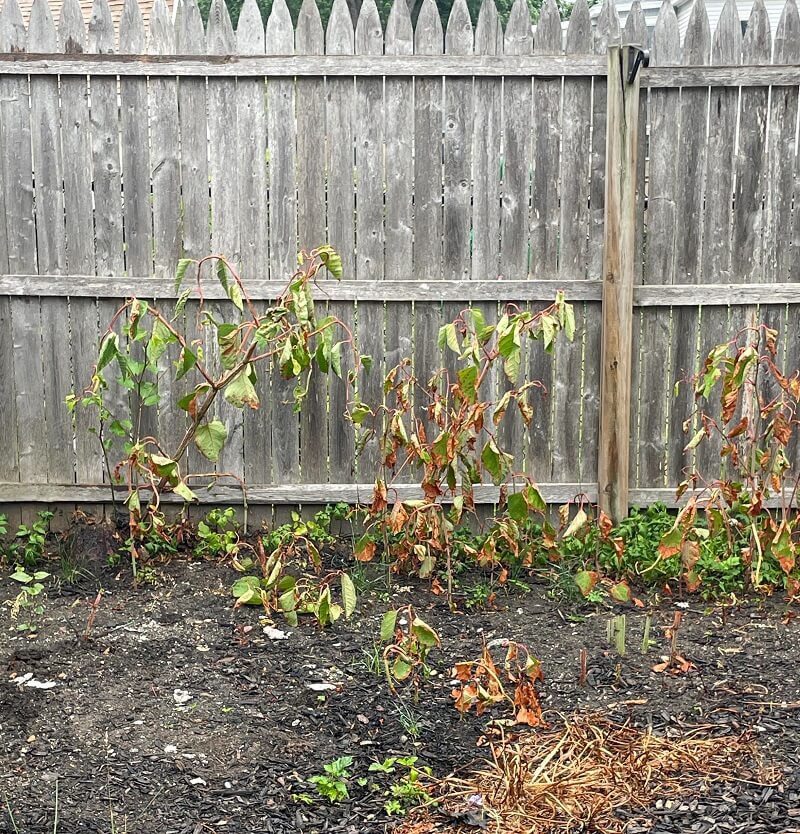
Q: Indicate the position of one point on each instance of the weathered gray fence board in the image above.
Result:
(282, 230)
(135, 146)
(716, 245)
(573, 254)
(106, 165)
(486, 151)
(399, 224)
(688, 203)
(370, 180)
(311, 225)
(458, 132)
(251, 172)
(653, 374)
(514, 218)
(517, 96)
(76, 148)
(606, 31)
(340, 117)
(47, 345)
(225, 218)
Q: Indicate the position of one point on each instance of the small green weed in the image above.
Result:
(332, 785)
(217, 535)
(407, 792)
(30, 598)
(28, 547)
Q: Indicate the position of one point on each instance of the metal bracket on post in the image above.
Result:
(637, 58)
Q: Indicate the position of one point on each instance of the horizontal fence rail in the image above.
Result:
(451, 164)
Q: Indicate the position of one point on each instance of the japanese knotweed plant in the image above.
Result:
(140, 340)
(444, 430)
(753, 502)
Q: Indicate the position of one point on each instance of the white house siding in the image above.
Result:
(714, 10)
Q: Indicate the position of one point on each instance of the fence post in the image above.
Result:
(619, 253)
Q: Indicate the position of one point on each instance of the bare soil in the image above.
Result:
(173, 717)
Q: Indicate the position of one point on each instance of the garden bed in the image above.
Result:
(179, 714)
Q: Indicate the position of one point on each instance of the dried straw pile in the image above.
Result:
(574, 779)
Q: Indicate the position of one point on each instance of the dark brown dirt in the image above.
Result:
(111, 739)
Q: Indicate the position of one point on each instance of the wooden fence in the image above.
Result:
(448, 166)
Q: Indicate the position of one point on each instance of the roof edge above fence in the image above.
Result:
(669, 295)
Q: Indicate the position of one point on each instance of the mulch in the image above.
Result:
(179, 715)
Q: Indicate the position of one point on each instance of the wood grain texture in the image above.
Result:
(76, 141)
(486, 151)
(251, 172)
(282, 153)
(458, 133)
(399, 223)
(340, 117)
(716, 244)
(517, 151)
(48, 328)
(606, 31)
(370, 245)
(106, 164)
(401, 292)
(225, 495)
(76, 147)
(223, 162)
(661, 224)
(619, 267)
(312, 225)
(135, 144)
(573, 252)
(689, 192)
(427, 64)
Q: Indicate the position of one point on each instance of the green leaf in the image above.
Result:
(165, 467)
(247, 590)
(160, 337)
(222, 274)
(21, 576)
(235, 295)
(109, 349)
(448, 337)
(180, 271)
(468, 379)
(331, 260)
(388, 623)
(240, 391)
(491, 459)
(534, 498)
(586, 580)
(336, 359)
(186, 361)
(424, 633)
(401, 669)
(621, 592)
(349, 596)
(517, 507)
(229, 340)
(182, 489)
(210, 439)
(359, 412)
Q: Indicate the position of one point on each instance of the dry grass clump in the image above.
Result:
(575, 778)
